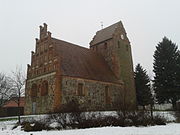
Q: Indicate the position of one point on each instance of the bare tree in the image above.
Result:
(18, 78)
(5, 88)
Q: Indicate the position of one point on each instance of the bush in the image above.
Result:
(139, 118)
(60, 118)
(159, 120)
(92, 119)
(71, 116)
(35, 126)
(27, 127)
(68, 115)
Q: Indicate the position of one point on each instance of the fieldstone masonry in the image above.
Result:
(94, 93)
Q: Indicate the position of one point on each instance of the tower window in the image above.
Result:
(118, 44)
(105, 45)
(127, 48)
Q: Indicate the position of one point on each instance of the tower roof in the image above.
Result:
(105, 34)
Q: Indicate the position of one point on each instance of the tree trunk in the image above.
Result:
(151, 111)
(144, 108)
(19, 111)
(174, 105)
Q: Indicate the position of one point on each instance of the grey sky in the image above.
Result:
(76, 21)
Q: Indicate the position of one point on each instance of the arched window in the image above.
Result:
(34, 90)
(44, 88)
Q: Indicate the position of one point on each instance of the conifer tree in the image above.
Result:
(142, 83)
(166, 71)
(178, 72)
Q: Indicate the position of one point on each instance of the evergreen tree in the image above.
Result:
(166, 72)
(178, 72)
(142, 82)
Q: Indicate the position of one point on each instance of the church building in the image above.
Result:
(98, 77)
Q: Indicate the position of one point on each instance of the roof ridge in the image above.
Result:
(109, 26)
(69, 43)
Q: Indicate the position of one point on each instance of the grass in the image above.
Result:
(7, 119)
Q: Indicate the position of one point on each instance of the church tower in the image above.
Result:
(113, 44)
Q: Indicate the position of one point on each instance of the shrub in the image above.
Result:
(60, 118)
(27, 127)
(139, 118)
(93, 119)
(34, 126)
(159, 120)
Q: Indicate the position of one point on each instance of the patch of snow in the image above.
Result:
(54, 125)
(170, 129)
(163, 106)
(168, 115)
(32, 124)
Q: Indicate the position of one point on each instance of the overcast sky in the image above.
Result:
(146, 23)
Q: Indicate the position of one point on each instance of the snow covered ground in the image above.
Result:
(170, 129)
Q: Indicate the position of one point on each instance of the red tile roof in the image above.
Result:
(77, 61)
(13, 102)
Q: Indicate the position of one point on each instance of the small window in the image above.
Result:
(107, 95)
(105, 45)
(118, 44)
(127, 48)
(80, 89)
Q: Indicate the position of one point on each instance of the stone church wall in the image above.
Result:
(94, 95)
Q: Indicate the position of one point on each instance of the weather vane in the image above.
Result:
(101, 25)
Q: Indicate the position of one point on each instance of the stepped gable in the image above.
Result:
(77, 61)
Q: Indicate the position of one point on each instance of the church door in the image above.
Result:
(33, 107)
